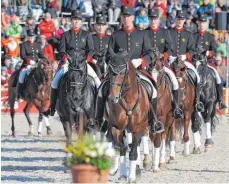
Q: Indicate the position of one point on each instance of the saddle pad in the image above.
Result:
(147, 87)
(192, 77)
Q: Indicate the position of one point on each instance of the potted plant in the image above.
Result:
(90, 160)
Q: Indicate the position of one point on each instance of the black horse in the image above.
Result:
(208, 97)
(36, 92)
(77, 94)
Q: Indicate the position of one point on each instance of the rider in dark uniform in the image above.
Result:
(30, 52)
(79, 41)
(183, 47)
(160, 38)
(207, 42)
(137, 45)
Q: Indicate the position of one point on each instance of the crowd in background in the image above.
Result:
(50, 18)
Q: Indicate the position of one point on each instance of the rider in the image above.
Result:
(136, 43)
(207, 42)
(81, 42)
(160, 38)
(183, 47)
(30, 52)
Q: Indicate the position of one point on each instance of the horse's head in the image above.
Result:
(44, 69)
(199, 58)
(118, 73)
(180, 69)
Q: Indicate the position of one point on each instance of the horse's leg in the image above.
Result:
(67, 130)
(172, 142)
(157, 144)
(26, 112)
(147, 159)
(39, 126)
(187, 119)
(163, 152)
(12, 113)
(47, 124)
(133, 158)
(196, 142)
(123, 170)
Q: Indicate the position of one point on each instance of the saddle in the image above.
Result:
(192, 77)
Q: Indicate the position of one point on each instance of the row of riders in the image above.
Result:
(140, 46)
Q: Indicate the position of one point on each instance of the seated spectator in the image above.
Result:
(222, 47)
(47, 48)
(29, 25)
(190, 25)
(99, 7)
(142, 20)
(206, 8)
(114, 10)
(47, 26)
(221, 68)
(4, 76)
(128, 2)
(36, 6)
(221, 5)
(22, 8)
(52, 8)
(159, 4)
(4, 22)
(14, 29)
(63, 27)
(171, 22)
(174, 4)
(70, 5)
(5, 5)
(192, 8)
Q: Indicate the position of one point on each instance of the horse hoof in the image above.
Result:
(162, 164)
(138, 173)
(208, 143)
(156, 170)
(185, 154)
(147, 165)
(39, 134)
(122, 179)
(196, 150)
(13, 134)
(207, 149)
(113, 172)
(172, 158)
(49, 132)
(30, 133)
(131, 181)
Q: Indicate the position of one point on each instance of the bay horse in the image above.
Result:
(208, 97)
(186, 103)
(128, 109)
(35, 92)
(76, 97)
(164, 112)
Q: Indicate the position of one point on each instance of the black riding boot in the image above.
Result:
(18, 91)
(155, 125)
(99, 111)
(219, 88)
(177, 112)
(199, 106)
(51, 111)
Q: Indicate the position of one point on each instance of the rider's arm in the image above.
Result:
(62, 48)
(168, 46)
(147, 52)
(190, 47)
(212, 48)
(90, 47)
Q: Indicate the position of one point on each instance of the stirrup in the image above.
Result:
(222, 105)
(178, 113)
(157, 127)
(199, 107)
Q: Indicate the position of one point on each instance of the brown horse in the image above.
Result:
(128, 109)
(36, 92)
(164, 112)
(186, 102)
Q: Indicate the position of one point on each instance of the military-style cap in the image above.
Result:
(153, 13)
(203, 17)
(127, 10)
(101, 20)
(30, 33)
(77, 14)
(181, 14)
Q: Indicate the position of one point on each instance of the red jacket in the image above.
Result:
(48, 52)
(130, 3)
(47, 28)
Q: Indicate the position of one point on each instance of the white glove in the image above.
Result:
(32, 62)
(183, 57)
(172, 59)
(207, 53)
(94, 61)
(137, 62)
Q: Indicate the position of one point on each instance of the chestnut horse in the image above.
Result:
(128, 109)
(36, 92)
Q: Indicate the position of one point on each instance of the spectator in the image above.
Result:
(36, 7)
(4, 22)
(114, 10)
(222, 46)
(70, 5)
(52, 8)
(63, 27)
(4, 76)
(99, 7)
(47, 26)
(29, 25)
(47, 48)
(8, 64)
(206, 8)
(174, 4)
(55, 66)
(14, 29)
(159, 4)
(221, 5)
(192, 8)
(221, 68)
(142, 20)
(171, 22)
(5, 5)
(190, 25)
(22, 8)
(128, 2)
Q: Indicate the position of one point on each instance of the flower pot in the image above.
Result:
(84, 173)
